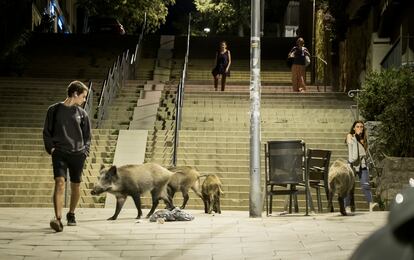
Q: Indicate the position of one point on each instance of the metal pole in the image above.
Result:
(313, 65)
(255, 199)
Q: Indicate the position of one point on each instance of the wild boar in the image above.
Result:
(341, 180)
(184, 179)
(211, 191)
(134, 180)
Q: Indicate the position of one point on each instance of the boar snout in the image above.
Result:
(97, 190)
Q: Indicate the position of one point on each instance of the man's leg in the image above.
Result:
(58, 195)
(56, 224)
(74, 196)
(76, 164)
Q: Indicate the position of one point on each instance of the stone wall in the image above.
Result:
(396, 172)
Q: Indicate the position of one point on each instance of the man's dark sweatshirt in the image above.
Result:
(67, 129)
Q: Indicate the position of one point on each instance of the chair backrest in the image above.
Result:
(286, 162)
(318, 164)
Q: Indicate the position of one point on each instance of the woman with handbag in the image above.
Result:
(357, 154)
(300, 58)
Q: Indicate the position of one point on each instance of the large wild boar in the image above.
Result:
(184, 179)
(211, 191)
(134, 180)
(341, 181)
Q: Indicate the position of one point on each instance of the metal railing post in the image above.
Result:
(179, 102)
(352, 93)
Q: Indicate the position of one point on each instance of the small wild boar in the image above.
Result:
(184, 179)
(134, 180)
(341, 180)
(211, 191)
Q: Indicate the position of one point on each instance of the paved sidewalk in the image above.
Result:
(25, 234)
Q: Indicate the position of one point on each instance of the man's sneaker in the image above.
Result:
(71, 219)
(56, 225)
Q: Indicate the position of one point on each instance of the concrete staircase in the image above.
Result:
(215, 133)
(274, 72)
(26, 176)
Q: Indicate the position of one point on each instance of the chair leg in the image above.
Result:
(318, 197)
(310, 201)
(270, 204)
(296, 202)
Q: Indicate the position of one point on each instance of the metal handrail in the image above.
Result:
(352, 93)
(88, 106)
(122, 70)
(179, 102)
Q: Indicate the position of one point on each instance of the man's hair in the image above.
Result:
(76, 86)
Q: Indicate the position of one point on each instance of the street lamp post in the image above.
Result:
(255, 198)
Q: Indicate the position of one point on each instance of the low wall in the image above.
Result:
(396, 172)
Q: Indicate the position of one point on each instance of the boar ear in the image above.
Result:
(102, 167)
(112, 170)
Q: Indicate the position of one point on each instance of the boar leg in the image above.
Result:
(120, 200)
(185, 197)
(218, 209)
(330, 198)
(211, 203)
(155, 200)
(352, 198)
(342, 205)
(196, 189)
(205, 200)
(168, 202)
(171, 192)
(137, 201)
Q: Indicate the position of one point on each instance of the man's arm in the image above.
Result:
(87, 133)
(48, 130)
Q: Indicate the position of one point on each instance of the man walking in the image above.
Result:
(67, 138)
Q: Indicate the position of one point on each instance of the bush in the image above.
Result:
(388, 96)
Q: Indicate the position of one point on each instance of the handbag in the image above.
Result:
(307, 60)
(357, 163)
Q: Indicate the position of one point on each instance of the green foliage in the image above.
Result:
(12, 60)
(388, 97)
(130, 12)
(223, 16)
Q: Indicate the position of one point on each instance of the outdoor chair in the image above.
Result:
(317, 167)
(285, 170)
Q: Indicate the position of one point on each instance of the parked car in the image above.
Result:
(110, 25)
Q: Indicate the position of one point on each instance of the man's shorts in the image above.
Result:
(74, 162)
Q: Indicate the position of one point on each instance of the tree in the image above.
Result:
(130, 12)
(224, 16)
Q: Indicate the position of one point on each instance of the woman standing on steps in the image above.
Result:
(300, 59)
(222, 68)
(357, 154)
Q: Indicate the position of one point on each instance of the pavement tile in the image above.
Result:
(230, 235)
